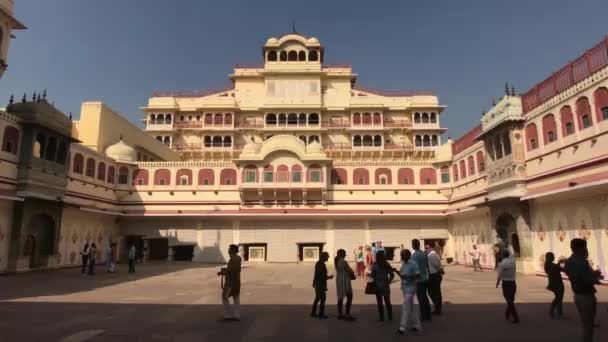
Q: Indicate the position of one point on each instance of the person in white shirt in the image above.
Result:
(476, 254)
(436, 273)
(409, 274)
(506, 274)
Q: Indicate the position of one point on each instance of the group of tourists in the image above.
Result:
(89, 258)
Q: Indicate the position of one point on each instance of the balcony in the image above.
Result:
(250, 125)
(289, 127)
(202, 125)
(284, 180)
(397, 123)
(335, 124)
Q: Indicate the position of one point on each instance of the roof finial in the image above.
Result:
(483, 112)
(507, 88)
(34, 97)
(493, 101)
(11, 100)
(512, 90)
(44, 94)
(70, 115)
(24, 98)
(293, 27)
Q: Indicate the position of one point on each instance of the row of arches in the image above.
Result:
(569, 124)
(425, 118)
(210, 119)
(292, 119)
(165, 140)
(472, 165)
(10, 140)
(217, 141)
(51, 148)
(99, 171)
(292, 56)
(184, 177)
(499, 145)
(383, 176)
(367, 119)
(426, 140)
(367, 141)
(282, 174)
(160, 119)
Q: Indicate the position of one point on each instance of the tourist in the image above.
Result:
(506, 275)
(114, 256)
(436, 273)
(382, 274)
(108, 258)
(344, 275)
(360, 262)
(409, 275)
(132, 256)
(476, 254)
(374, 249)
(232, 285)
(319, 283)
(368, 260)
(421, 259)
(556, 284)
(92, 257)
(583, 279)
(85, 257)
(379, 248)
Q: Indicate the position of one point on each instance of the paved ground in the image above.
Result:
(179, 302)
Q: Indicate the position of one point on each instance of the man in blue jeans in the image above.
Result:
(421, 259)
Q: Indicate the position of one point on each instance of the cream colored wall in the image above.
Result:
(6, 225)
(468, 228)
(471, 187)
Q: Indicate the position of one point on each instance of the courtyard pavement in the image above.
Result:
(180, 302)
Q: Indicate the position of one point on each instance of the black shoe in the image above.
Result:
(349, 318)
(313, 315)
(323, 317)
(400, 332)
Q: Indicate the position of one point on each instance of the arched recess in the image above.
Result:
(339, 176)
(140, 177)
(531, 137)
(471, 165)
(272, 56)
(360, 176)
(357, 141)
(405, 176)
(162, 177)
(78, 165)
(218, 119)
(506, 232)
(101, 171)
(356, 119)
(39, 240)
(601, 104)
(10, 140)
(549, 129)
(425, 118)
(183, 177)
(567, 119)
(314, 173)
(455, 172)
(206, 177)
(282, 175)
(313, 56)
(481, 165)
(383, 176)
(583, 113)
(428, 176)
(302, 56)
(111, 174)
(250, 174)
(228, 177)
(90, 169)
(463, 170)
(292, 56)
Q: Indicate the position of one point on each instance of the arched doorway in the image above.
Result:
(40, 240)
(506, 233)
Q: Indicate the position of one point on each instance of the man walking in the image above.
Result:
(506, 275)
(319, 283)
(476, 254)
(582, 279)
(232, 285)
(421, 259)
(409, 275)
(435, 278)
(132, 256)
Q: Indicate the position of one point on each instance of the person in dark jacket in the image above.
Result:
(319, 283)
(582, 279)
(556, 284)
(383, 275)
(232, 285)
(85, 257)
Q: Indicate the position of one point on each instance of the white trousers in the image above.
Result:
(232, 311)
(409, 313)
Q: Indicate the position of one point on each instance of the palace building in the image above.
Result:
(296, 158)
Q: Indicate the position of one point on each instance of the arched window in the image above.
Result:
(227, 141)
(282, 175)
(313, 56)
(250, 174)
(167, 141)
(283, 56)
(228, 177)
(357, 141)
(367, 119)
(361, 176)
(90, 170)
(207, 141)
(426, 141)
(506, 143)
(268, 174)
(159, 138)
(445, 174)
(418, 141)
(433, 118)
(296, 173)
(271, 119)
(312, 138)
(160, 119)
(78, 163)
(531, 137)
(282, 119)
(218, 119)
(339, 176)
(101, 171)
(583, 113)
(425, 118)
(367, 140)
(167, 119)
(62, 152)
(471, 165)
(417, 118)
(152, 119)
(123, 176)
(302, 56)
(377, 119)
(292, 119)
(356, 119)
(601, 104)
(140, 177)
(567, 120)
(228, 119)
(303, 138)
(208, 119)
(377, 140)
(51, 149)
(206, 177)
(498, 146)
(481, 165)
(111, 174)
(434, 141)
(10, 140)
(313, 119)
(183, 177)
(292, 56)
(455, 172)
(272, 56)
(405, 176)
(549, 129)
(428, 176)
(162, 177)
(217, 141)
(40, 146)
(302, 119)
(383, 176)
(463, 170)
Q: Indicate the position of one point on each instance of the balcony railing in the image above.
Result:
(251, 125)
(187, 147)
(397, 123)
(335, 124)
(201, 124)
(204, 147)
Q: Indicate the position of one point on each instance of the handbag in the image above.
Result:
(370, 287)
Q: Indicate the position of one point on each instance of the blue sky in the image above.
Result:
(119, 51)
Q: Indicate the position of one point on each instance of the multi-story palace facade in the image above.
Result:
(295, 159)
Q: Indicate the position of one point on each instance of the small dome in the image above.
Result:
(250, 148)
(272, 41)
(121, 152)
(313, 40)
(314, 147)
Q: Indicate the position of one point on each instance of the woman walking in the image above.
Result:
(92, 252)
(506, 275)
(344, 275)
(556, 285)
(85, 257)
(382, 274)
